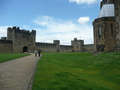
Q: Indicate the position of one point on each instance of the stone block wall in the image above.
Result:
(65, 48)
(23, 41)
(46, 47)
(6, 46)
(52, 47)
(89, 48)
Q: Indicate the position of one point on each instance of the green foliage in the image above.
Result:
(78, 71)
(7, 57)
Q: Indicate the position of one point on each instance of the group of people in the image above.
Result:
(37, 53)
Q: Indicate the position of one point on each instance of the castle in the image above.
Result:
(106, 35)
(20, 41)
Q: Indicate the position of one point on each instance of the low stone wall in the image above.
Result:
(89, 48)
(5, 46)
(51, 47)
(46, 47)
(65, 48)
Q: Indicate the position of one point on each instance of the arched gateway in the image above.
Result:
(25, 49)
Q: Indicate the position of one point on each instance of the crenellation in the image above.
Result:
(3, 38)
(22, 31)
(5, 41)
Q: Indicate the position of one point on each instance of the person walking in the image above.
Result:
(36, 52)
(39, 53)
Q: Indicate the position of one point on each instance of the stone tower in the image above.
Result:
(105, 27)
(57, 43)
(77, 45)
(23, 41)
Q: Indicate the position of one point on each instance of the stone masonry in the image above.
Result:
(107, 27)
(23, 41)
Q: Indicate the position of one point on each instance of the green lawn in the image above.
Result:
(78, 71)
(7, 57)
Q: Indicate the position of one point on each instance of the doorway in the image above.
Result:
(25, 49)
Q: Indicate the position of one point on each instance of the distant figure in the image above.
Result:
(39, 52)
(36, 52)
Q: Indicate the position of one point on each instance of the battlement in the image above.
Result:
(5, 41)
(45, 44)
(23, 31)
(56, 42)
(77, 41)
(3, 38)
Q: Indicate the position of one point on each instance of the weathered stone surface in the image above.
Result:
(22, 39)
(107, 29)
(5, 46)
(77, 45)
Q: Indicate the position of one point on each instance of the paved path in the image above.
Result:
(17, 74)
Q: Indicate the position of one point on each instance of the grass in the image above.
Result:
(78, 71)
(8, 56)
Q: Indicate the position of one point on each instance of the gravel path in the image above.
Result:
(17, 74)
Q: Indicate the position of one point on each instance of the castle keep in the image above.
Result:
(107, 27)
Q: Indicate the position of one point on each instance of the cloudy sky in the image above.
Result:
(52, 19)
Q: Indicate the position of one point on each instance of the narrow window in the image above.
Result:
(99, 32)
(112, 30)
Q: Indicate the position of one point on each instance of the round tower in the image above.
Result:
(104, 27)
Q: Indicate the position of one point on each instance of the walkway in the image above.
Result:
(17, 74)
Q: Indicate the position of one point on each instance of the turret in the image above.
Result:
(77, 45)
(57, 43)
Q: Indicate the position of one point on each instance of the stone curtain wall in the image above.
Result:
(5, 46)
(46, 47)
(89, 48)
(65, 48)
(52, 47)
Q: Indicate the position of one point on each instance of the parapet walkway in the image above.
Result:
(17, 74)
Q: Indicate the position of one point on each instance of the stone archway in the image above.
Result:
(25, 49)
